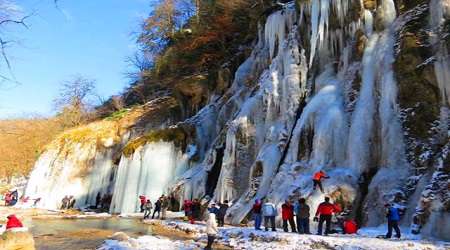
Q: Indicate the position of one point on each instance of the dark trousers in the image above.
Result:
(393, 225)
(327, 220)
(142, 208)
(258, 219)
(147, 213)
(270, 219)
(154, 212)
(291, 223)
(211, 239)
(220, 221)
(317, 183)
(303, 225)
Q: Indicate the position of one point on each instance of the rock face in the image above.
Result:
(357, 90)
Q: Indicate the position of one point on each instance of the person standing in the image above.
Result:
(287, 214)
(157, 208)
(65, 202)
(196, 209)
(393, 217)
(317, 179)
(147, 209)
(223, 207)
(164, 207)
(213, 208)
(72, 202)
(257, 214)
(269, 212)
(211, 230)
(142, 200)
(98, 198)
(325, 211)
(302, 216)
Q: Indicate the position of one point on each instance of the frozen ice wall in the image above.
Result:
(148, 171)
(82, 172)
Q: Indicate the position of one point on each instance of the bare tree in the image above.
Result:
(76, 100)
(10, 15)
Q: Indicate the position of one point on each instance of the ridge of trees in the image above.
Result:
(184, 38)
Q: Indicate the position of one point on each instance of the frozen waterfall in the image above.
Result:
(147, 172)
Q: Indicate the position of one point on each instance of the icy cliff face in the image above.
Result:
(320, 90)
(147, 172)
(77, 170)
(341, 114)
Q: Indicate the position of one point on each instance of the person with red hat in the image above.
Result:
(13, 222)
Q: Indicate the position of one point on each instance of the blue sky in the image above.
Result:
(85, 37)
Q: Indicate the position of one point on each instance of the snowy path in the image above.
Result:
(247, 238)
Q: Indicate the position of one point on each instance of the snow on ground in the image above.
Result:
(147, 243)
(248, 238)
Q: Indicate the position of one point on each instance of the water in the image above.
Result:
(73, 234)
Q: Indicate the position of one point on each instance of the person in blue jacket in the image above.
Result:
(393, 216)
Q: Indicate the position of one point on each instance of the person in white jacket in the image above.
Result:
(211, 230)
(269, 212)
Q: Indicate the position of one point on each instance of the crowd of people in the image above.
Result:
(11, 198)
(161, 206)
(296, 217)
(68, 202)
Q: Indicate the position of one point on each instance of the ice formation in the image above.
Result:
(318, 91)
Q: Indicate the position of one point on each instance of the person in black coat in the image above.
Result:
(223, 207)
(157, 208)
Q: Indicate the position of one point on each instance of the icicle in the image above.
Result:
(362, 120)
(368, 22)
(386, 12)
(442, 63)
(147, 172)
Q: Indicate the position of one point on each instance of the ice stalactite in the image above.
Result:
(439, 12)
(368, 22)
(362, 119)
(148, 171)
(267, 117)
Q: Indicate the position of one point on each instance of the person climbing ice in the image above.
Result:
(317, 179)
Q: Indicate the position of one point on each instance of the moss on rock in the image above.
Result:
(174, 134)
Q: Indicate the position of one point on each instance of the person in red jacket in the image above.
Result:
(143, 199)
(325, 212)
(350, 226)
(287, 214)
(256, 209)
(13, 222)
(317, 179)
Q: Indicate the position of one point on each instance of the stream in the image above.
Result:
(81, 234)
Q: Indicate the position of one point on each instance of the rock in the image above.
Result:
(370, 4)
(120, 236)
(17, 241)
